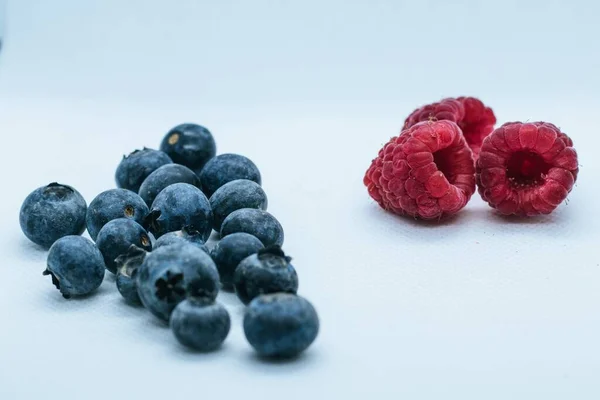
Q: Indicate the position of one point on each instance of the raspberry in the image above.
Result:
(526, 169)
(427, 172)
(474, 119)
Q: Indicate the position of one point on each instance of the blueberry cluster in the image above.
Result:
(151, 232)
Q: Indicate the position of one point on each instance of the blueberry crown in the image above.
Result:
(60, 191)
(151, 221)
(190, 230)
(169, 288)
(128, 263)
(273, 250)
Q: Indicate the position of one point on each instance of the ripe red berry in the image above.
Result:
(526, 168)
(474, 119)
(427, 172)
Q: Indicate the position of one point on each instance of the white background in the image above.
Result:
(478, 307)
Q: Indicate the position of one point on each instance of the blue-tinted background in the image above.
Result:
(477, 308)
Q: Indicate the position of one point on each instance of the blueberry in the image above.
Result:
(166, 272)
(117, 236)
(136, 167)
(166, 176)
(280, 325)
(187, 234)
(226, 168)
(113, 204)
(190, 145)
(268, 271)
(76, 266)
(200, 323)
(230, 251)
(127, 266)
(235, 195)
(255, 222)
(52, 212)
(177, 206)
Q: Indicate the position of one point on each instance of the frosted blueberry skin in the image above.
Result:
(235, 195)
(127, 266)
(200, 325)
(75, 265)
(117, 236)
(163, 177)
(230, 251)
(113, 204)
(136, 167)
(258, 223)
(280, 325)
(164, 275)
(187, 234)
(191, 145)
(267, 271)
(225, 168)
(51, 212)
(177, 206)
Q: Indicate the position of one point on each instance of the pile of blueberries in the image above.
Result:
(151, 232)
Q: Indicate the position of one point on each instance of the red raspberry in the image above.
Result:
(526, 168)
(426, 172)
(474, 119)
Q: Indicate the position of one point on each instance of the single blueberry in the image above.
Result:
(136, 167)
(127, 266)
(230, 251)
(113, 204)
(187, 234)
(268, 271)
(165, 176)
(235, 195)
(226, 168)
(52, 212)
(117, 236)
(177, 206)
(259, 223)
(200, 324)
(75, 265)
(190, 145)
(280, 324)
(167, 271)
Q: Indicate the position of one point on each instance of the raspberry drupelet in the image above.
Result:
(526, 169)
(474, 119)
(427, 172)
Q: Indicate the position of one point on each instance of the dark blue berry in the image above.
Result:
(235, 195)
(52, 212)
(113, 204)
(136, 167)
(268, 271)
(187, 234)
(167, 271)
(226, 168)
(177, 206)
(75, 265)
(200, 325)
(165, 176)
(230, 251)
(117, 236)
(127, 267)
(190, 145)
(280, 325)
(255, 222)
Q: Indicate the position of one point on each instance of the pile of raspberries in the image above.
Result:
(445, 149)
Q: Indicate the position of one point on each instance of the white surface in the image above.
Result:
(474, 308)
